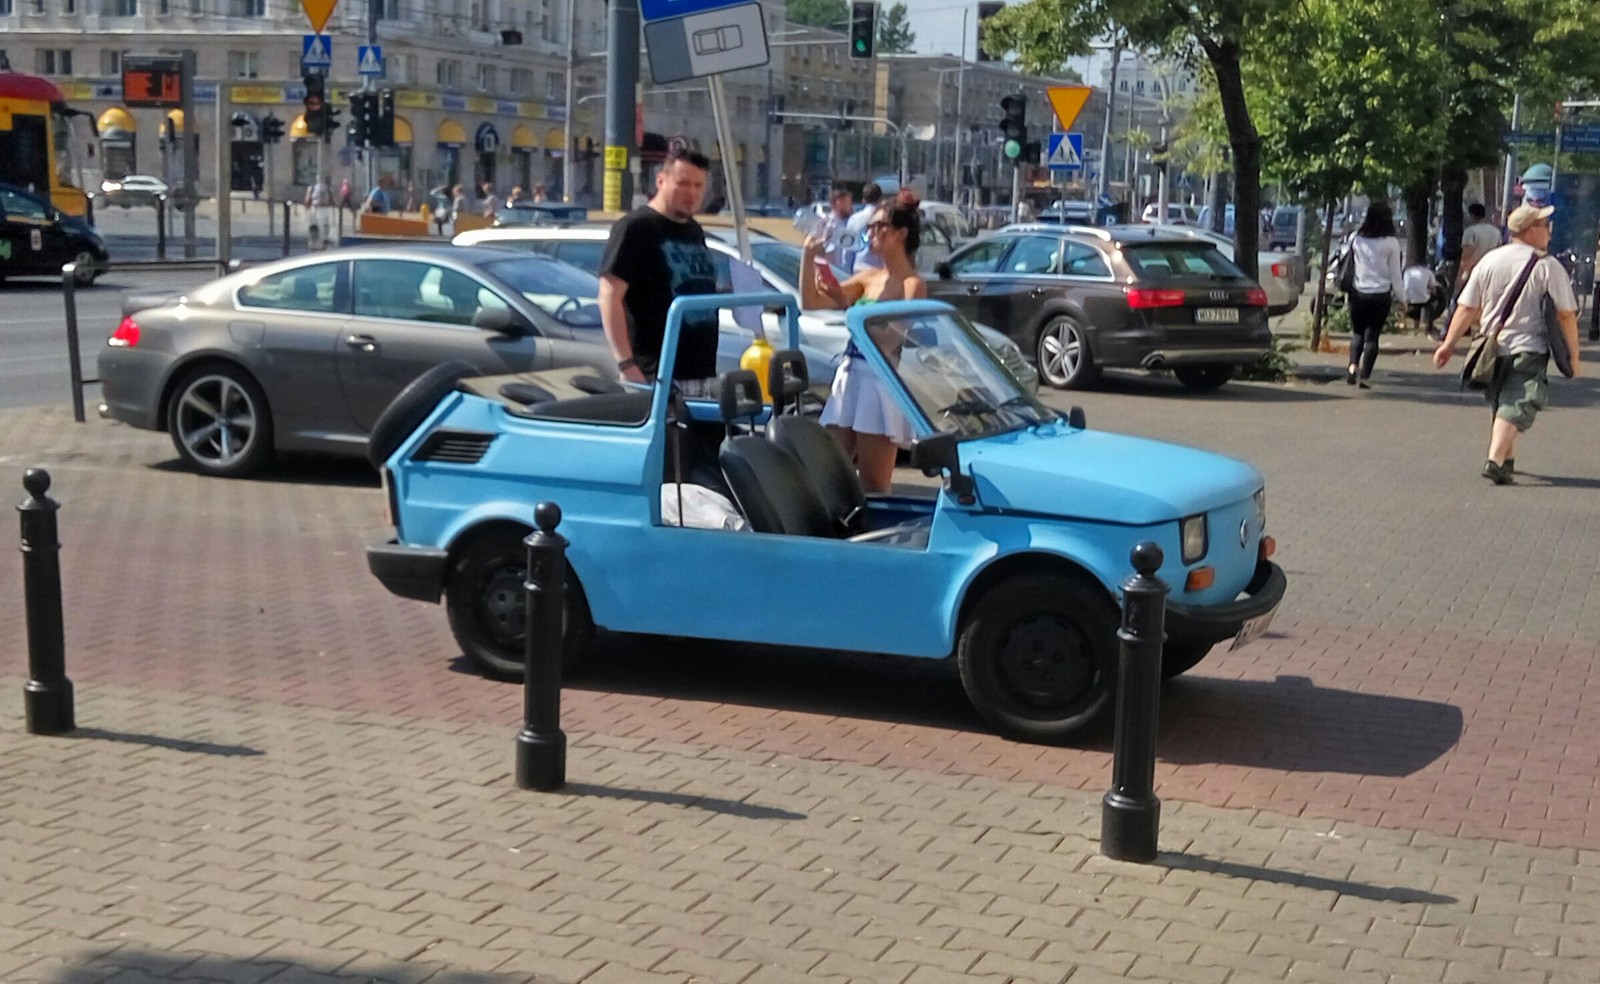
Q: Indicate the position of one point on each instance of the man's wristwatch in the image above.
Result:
(624, 365)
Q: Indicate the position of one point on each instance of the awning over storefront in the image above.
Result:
(402, 130)
(451, 134)
(114, 120)
(298, 130)
(523, 138)
(555, 139)
(176, 116)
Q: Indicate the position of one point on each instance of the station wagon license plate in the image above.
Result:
(1216, 316)
(1253, 629)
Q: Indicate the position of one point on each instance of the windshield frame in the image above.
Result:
(1019, 408)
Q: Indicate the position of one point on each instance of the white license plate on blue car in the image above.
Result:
(1252, 630)
(1216, 316)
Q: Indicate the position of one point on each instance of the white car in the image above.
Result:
(1278, 273)
(1183, 215)
(776, 261)
(133, 189)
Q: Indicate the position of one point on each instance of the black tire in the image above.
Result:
(487, 604)
(87, 269)
(219, 421)
(1177, 658)
(411, 407)
(1038, 656)
(1203, 378)
(1062, 354)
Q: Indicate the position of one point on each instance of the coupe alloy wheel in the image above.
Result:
(215, 421)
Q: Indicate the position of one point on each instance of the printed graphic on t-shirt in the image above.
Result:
(689, 265)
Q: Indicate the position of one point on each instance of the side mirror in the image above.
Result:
(942, 268)
(940, 454)
(500, 319)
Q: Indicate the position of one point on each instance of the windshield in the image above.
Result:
(784, 261)
(565, 293)
(954, 379)
(1178, 261)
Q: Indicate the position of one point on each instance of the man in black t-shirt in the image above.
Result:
(657, 253)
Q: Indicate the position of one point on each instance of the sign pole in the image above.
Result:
(189, 155)
(225, 173)
(730, 166)
(622, 82)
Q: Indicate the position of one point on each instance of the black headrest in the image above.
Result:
(787, 378)
(595, 385)
(525, 392)
(741, 395)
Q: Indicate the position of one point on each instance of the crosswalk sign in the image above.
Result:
(369, 61)
(1066, 152)
(316, 51)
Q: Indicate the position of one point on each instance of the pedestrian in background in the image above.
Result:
(865, 258)
(1378, 285)
(491, 201)
(458, 202)
(1520, 386)
(345, 201)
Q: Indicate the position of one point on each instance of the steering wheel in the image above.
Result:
(571, 302)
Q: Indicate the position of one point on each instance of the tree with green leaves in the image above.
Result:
(831, 14)
(894, 32)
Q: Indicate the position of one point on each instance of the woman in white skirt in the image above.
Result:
(859, 413)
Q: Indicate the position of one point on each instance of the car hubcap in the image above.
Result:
(85, 267)
(1060, 351)
(217, 421)
(505, 610)
(1045, 661)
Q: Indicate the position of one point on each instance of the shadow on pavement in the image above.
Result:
(711, 804)
(132, 966)
(174, 744)
(1292, 725)
(1360, 890)
(297, 470)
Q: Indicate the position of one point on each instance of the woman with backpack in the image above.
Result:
(1371, 280)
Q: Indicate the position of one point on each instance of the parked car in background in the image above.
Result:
(777, 262)
(1082, 300)
(133, 189)
(38, 239)
(1011, 569)
(1176, 214)
(1282, 231)
(1279, 273)
(540, 214)
(957, 228)
(1069, 212)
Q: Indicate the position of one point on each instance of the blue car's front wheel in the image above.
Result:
(1037, 656)
(487, 603)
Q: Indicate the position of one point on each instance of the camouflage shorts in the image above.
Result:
(1520, 388)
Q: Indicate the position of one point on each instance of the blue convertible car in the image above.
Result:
(1012, 565)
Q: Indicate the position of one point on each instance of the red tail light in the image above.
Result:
(1142, 297)
(1256, 298)
(126, 335)
(1280, 270)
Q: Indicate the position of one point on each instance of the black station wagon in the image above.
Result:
(1081, 299)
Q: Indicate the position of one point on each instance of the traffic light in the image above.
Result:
(363, 107)
(1014, 127)
(986, 10)
(316, 103)
(863, 28)
(271, 130)
(381, 127)
(330, 121)
(1032, 152)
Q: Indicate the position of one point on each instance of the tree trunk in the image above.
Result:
(1418, 195)
(1246, 143)
(1322, 282)
(1453, 185)
(1217, 200)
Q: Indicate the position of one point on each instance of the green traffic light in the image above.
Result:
(1012, 149)
(861, 45)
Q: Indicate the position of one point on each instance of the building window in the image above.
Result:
(53, 61)
(522, 81)
(5, 8)
(244, 65)
(122, 8)
(110, 62)
(553, 83)
(548, 16)
(69, 6)
(387, 9)
(669, 101)
(485, 77)
(403, 67)
(1138, 88)
(447, 73)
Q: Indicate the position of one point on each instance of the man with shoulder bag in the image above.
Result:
(1515, 345)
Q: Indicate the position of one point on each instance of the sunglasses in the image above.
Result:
(879, 226)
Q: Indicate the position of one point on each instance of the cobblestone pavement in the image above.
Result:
(1425, 704)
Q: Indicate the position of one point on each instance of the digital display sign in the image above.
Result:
(153, 82)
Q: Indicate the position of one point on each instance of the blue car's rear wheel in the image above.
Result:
(1037, 656)
(487, 604)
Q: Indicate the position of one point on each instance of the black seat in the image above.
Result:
(631, 407)
(824, 462)
(767, 482)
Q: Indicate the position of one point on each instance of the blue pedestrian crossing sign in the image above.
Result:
(1066, 152)
(316, 51)
(369, 60)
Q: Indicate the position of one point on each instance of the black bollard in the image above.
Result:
(1594, 311)
(286, 215)
(541, 746)
(161, 227)
(1130, 815)
(47, 696)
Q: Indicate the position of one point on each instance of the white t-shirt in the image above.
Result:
(1418, 284)
(1493, 278)
(1378, 265)
(864, 257)
(1477, 240)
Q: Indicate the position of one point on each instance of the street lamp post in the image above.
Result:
(568, 137)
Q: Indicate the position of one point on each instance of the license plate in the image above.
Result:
(1253, 629)
(1216, 316)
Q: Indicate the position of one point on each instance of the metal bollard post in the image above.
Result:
(69, 301)
(161, 227)
(286, 215)
(47, 696)
(541, 746)
(1594, 310)
(1130, 815)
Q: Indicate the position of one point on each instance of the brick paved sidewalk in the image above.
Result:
(213, 839)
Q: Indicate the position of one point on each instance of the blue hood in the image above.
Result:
(1057, 471)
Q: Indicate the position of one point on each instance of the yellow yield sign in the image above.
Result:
(318, 12)
(1067, 101)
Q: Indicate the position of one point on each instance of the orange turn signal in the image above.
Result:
(1269, 546)
(1200, 579)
